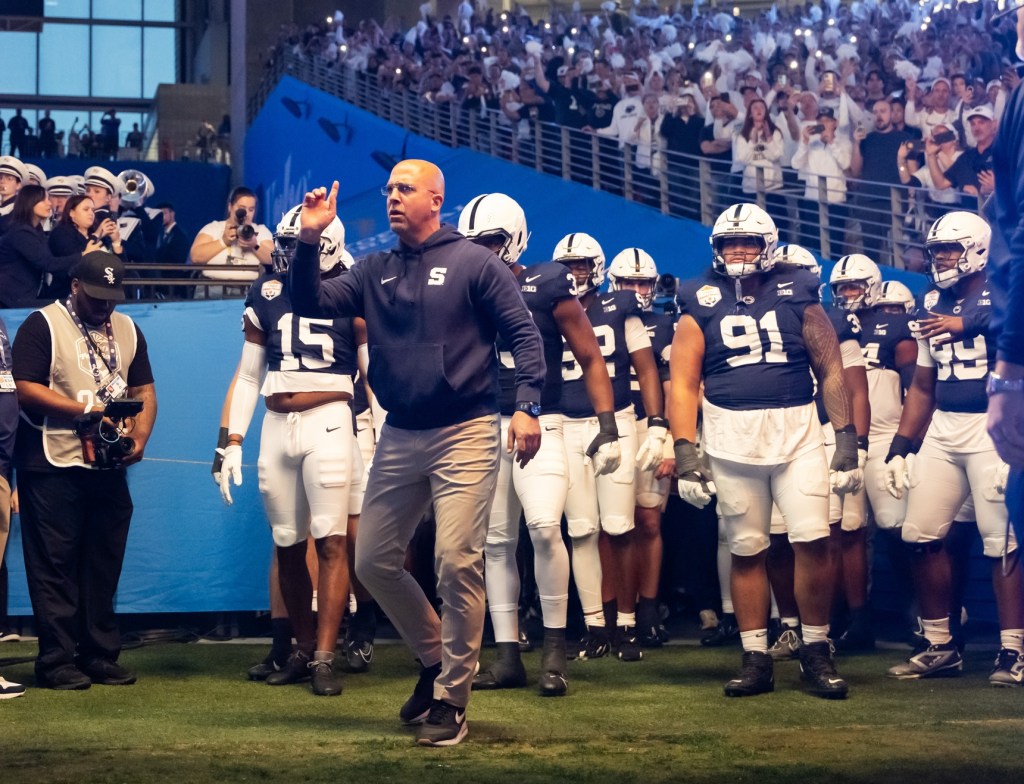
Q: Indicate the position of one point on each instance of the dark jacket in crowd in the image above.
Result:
(24, 257)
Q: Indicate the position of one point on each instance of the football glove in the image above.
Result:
(649, 455)
(604, 451)
(897, 476)
(218, 454)
(695, 487)
(231, 469)
(844, 473)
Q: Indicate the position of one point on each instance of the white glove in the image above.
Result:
(651, 451)
(896, 477)
(843, 482)
(696, 490)
(1000, 478)
(231, 469)
(607, 458)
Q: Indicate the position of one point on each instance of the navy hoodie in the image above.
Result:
(432, 316)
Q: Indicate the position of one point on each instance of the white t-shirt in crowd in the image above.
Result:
(234, 254)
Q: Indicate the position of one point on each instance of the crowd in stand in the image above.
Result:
(795, 103)
(46, 141)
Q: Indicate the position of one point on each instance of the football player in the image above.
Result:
(599, 508)
(847, 518)
(754, 335)
(309, 464)
(634, 270)
(955, 354)
(539, 489)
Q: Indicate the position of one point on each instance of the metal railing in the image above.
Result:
(888, 222)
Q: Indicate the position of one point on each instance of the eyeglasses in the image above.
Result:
(404, 188)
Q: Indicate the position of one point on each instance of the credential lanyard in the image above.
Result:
(91, 345)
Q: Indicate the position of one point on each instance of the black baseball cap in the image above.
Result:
(101, 276)
(827, 111)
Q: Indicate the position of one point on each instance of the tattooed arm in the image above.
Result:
(827, 364)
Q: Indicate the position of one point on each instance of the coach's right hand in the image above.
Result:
(231, 469)
(319, 208)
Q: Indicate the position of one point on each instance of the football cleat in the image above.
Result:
(358, 655)
(594, 644)
(708, 620)
(1008, 669)
(756, 676)
(553, 665)
(627, 646)
(936, 661)
(295, 670)
(326, 682)
(818, 670)
(506, 672)
(787, 646)
(726, 633)
(859, 635)
(525, 643)
(267, 667)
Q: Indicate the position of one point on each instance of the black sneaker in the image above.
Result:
(295, 670)
(726, 633)
(9, 690)
(1007, 671)
(525, 643)
(66, 678)
(260, 672)
(326, 682)
(756, 676)
(107, 673)
(595, 643)
(358, 655)
(818, 669)
(506, 672)
(417, 707)
(859, 635)
(445, 725)
(627, 646)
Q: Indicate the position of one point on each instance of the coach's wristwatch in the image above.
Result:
(997, 384)
(528, 407)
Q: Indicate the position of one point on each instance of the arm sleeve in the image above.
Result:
(851, 354)
(316, 298)
(636, 335)
(924, 354)
(246, 393)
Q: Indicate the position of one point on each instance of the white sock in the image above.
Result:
(551, 569)
(937, 631)
(501, 577)
(586, 569)
(813, 634)
(755, 640)
(594, 619)
(725, 573)
(1012, 639)
(625, 619)
(792, 621)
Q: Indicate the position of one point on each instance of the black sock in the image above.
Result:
(281, 636)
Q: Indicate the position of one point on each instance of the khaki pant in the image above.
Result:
(5, 519)
(456, 467)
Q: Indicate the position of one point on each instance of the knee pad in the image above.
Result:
(334, 471)
(286, 535)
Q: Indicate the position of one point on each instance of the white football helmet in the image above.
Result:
(744, 220)
(855, 270)
(894, 294)
(496, 215)
(964, 232)
(286, 238)
(634, 264)
(582, 247)
(797, 256)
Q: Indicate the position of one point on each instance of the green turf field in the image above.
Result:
(193, 717)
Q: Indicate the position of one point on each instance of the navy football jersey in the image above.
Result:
(880, 334)
(754, 351)
(297, 343)
(543, 286)
(847, 327)
(962, 367)
(607, 312)
(660, 329)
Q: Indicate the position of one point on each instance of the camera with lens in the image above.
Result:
(99, 216)
(103, 444)
(665, 289)
(246, 231)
